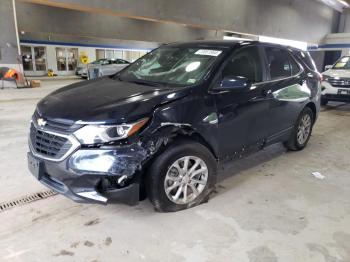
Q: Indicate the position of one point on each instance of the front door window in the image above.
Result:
(245, 63)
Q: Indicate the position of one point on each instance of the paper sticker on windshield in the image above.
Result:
(208, 52)
(338, 65)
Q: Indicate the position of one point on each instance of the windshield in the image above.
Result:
(172, 66)
(342, 63)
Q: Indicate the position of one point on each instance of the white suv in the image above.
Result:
(336, 82)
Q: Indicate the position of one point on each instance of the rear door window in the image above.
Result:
(280, 63)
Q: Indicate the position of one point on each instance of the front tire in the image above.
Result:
(302, 131)
(181, 177)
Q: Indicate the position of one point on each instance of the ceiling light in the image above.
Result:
(292, 43)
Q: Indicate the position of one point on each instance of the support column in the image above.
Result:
(9, 49)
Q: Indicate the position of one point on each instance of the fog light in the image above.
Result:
(92, 161)
(120, 161)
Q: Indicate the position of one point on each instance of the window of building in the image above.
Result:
(100, 54)
(40, 58)
(67, 58)
(128, 55)
(131, 55)
(72, 58)
(109, 54)
(61, 59)
(33, 58)
(118, 54)
(27, 58)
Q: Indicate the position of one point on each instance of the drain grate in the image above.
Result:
(27, 199)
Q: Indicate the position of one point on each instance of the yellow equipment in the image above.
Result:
(50, 72)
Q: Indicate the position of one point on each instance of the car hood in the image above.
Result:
(337, 73)
(105, 100)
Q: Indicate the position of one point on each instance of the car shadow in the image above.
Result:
(232, 168)
(336, 106)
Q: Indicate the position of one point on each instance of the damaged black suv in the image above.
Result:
(160, 127)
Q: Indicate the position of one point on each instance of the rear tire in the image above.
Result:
(302, 131)
(172, 186)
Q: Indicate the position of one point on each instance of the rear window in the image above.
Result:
(281, 64)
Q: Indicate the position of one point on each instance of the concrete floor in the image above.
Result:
(266, 208)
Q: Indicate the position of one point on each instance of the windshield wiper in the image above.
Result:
(146, 83)
(141, 82)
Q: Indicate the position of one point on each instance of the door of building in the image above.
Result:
(67, 60)
(34, 60)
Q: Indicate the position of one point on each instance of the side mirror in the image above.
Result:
(234, 83)
(327, 67)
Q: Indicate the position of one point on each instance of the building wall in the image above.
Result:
(58, 24)
(318, 57)
(345, 22)
(8, 42)
(300, 20)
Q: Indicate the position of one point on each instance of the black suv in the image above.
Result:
(160, 127)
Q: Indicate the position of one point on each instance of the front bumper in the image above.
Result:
(122, 186)
(331, 93)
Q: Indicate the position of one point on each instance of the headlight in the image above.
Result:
(93, 134)
(325, 78)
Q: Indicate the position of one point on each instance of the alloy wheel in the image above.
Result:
(304, 129)
(186, 179)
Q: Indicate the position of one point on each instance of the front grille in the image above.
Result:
(48, 145)
(339, 82)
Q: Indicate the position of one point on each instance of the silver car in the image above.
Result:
(81, 71)
(104, 67)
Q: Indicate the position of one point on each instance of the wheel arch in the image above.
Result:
(313, 108)
(174, 132)
(196, 136)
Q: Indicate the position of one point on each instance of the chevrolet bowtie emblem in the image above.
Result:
(41, 122)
